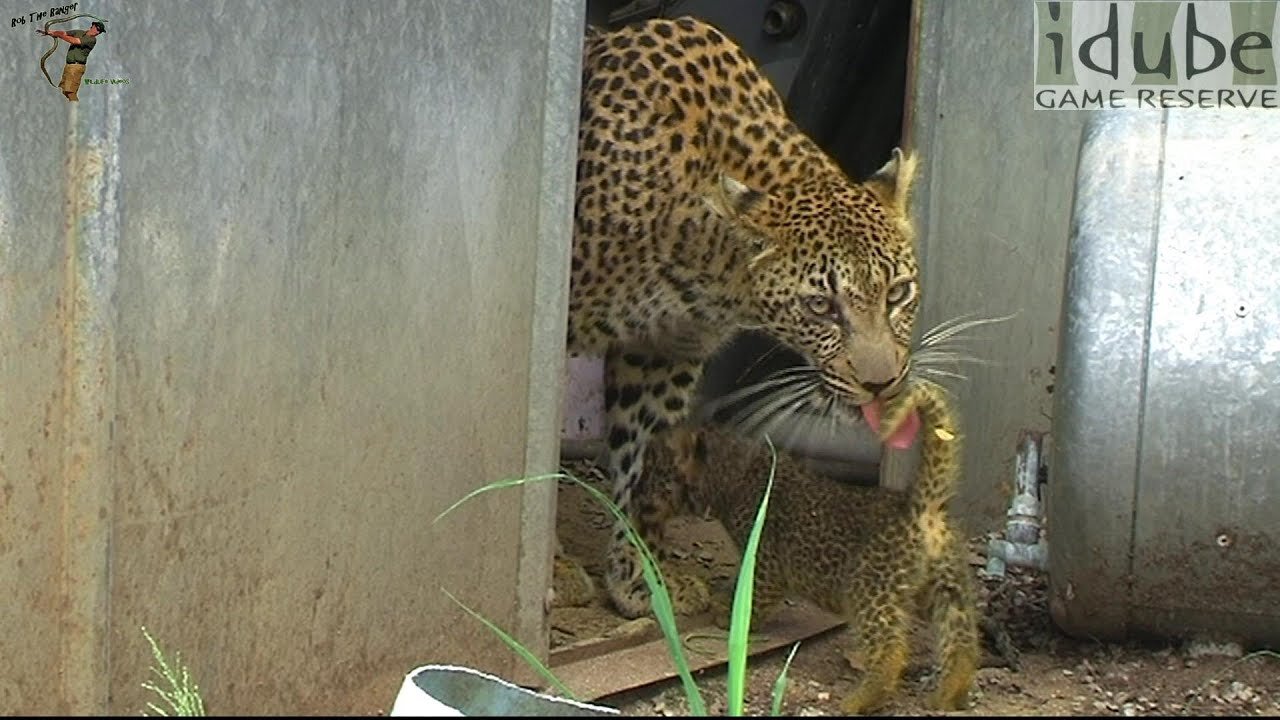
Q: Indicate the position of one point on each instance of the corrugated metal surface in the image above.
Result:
(993, 209)
(1164, 491)
(265, 311)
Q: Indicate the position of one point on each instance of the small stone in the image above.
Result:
(1238, 691)
(1128, 710)
(1067, 672)
(1200, 648)
(824, 696)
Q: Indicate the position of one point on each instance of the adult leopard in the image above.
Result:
(702, 209)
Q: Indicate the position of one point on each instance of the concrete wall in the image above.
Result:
(993, 208)
(265, 311)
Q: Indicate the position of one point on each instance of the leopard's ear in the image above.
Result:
(731, 199)
(892, 183)
(735, 201)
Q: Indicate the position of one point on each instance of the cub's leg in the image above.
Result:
(645, 393)
(882, 625)
(767, 594)
(954, 615)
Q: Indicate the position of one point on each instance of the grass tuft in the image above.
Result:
(180, 693)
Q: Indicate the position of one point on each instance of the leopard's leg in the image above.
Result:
(883, 628)
(954, 613)
(645, 394)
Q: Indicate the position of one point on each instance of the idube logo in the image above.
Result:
(1091, 54)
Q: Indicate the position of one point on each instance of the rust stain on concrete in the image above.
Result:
(87, 349)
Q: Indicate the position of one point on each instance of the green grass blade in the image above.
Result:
(740, 621)
(520, 649)
(499, 485)
(780, 685)
(660, 598)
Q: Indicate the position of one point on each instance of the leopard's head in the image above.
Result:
(687, 451)
(832, 274)
(675, 467)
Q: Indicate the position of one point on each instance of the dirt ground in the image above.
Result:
(1054, 675)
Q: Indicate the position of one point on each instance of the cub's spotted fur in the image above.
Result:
(875, 556)
(701, 209)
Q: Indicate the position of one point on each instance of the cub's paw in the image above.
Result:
(959, 671)
(571, 584)
(867, 699)
(949, 699)
(690, 594)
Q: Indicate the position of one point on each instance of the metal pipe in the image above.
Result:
(1023, 544)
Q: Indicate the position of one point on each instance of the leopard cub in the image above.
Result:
(874, 556)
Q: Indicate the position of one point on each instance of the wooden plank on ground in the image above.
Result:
(636, 665)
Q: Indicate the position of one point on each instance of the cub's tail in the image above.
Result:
(941, 445)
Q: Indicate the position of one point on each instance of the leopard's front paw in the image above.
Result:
(625, 584)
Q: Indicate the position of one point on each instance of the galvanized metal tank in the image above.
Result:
(1164, 492)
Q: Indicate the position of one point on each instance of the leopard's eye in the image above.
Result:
(901, 292)
(819, 305)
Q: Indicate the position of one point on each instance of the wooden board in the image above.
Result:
(609, 665)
